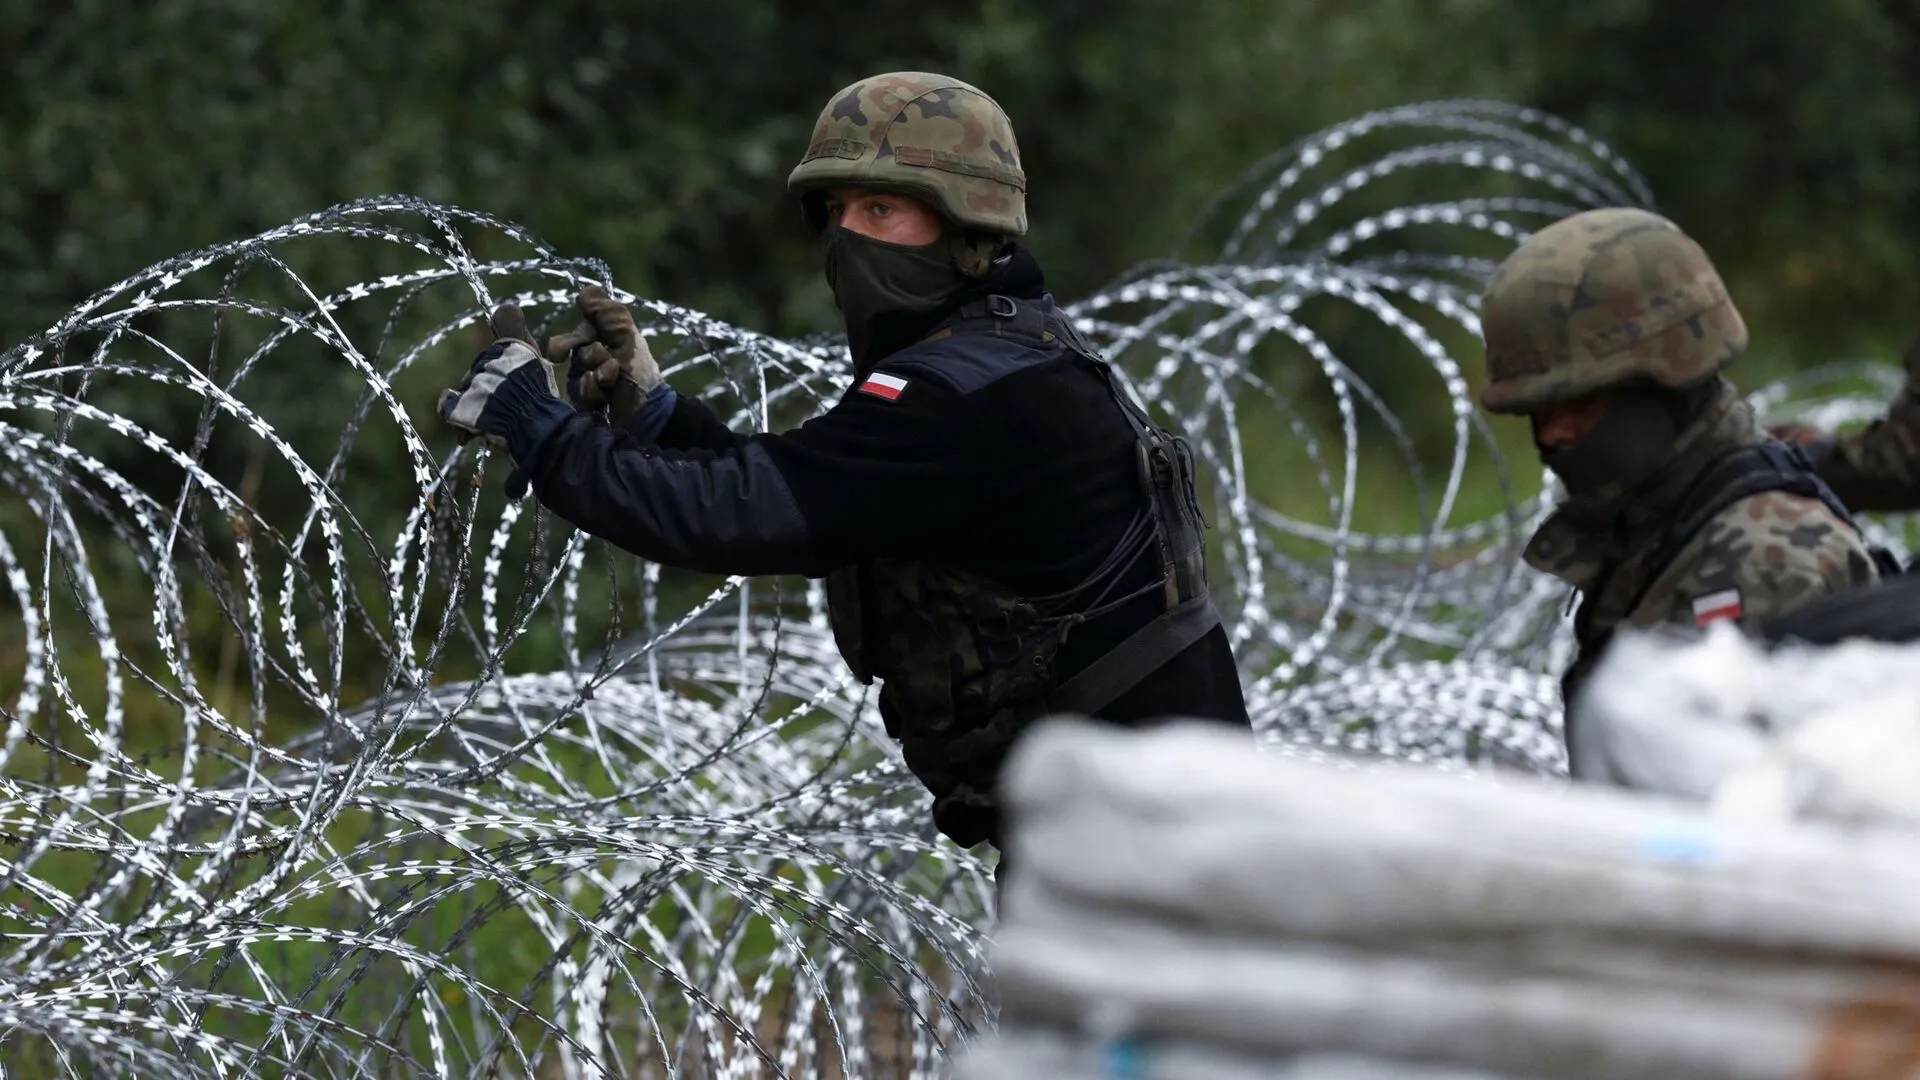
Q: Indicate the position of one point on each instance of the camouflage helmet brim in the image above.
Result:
(813, 197)
(1718, 332)
(926, 135)
(1600, 299)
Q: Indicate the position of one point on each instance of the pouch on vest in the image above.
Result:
(1734, 475)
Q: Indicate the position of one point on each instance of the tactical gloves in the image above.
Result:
(608, 363)
(509, 397)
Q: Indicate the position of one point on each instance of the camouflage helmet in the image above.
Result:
(928, 135)
(1601, 298)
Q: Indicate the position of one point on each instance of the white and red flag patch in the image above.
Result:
(882, 385)
(1715, 606)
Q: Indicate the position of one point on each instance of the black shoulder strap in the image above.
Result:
(1143, 652)
(1732, 476)
(1000, 316)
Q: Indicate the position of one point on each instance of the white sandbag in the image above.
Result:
(1829, 733)
(1191, 823)
(1856, 762)
(1016, 1054)
(1103, 978)
(1669, 715)
(1796, 978)
(1675, 969)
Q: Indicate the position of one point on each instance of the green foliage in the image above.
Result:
(658, 136)
(1789, 145)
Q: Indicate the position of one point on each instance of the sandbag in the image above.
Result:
(1279, 999)
(1026, 1055)
(1190, 823)
(1177, 887)
(1827, 734)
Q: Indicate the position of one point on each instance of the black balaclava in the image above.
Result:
(1634, 438)
(872, 278)
(894, 294)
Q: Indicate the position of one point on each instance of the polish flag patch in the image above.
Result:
(882, 385)
(1715, 606)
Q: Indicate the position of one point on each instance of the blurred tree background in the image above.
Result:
(658, 135)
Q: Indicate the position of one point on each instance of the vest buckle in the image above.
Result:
(1001, 307)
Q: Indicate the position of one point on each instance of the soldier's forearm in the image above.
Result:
(1878, 468)
(724, 514)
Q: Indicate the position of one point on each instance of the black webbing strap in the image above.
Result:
(1142, 653)
(1000, 316)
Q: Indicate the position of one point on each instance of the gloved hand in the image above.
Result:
(608, 363)
(509, 397)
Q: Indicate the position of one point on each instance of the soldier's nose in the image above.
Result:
(1553, 431)
(1560, 426)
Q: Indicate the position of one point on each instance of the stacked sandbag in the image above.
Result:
(1177, 890)
(1829, 733)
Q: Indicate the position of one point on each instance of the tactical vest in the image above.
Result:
(1735, 474)
(966, 663)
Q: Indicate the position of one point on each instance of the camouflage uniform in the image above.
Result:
(1878, 468)
(1618, 298)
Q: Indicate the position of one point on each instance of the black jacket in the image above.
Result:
(997, 458)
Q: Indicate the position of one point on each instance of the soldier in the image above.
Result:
(1878, 467)
(1609, 329)
(1004, 534)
